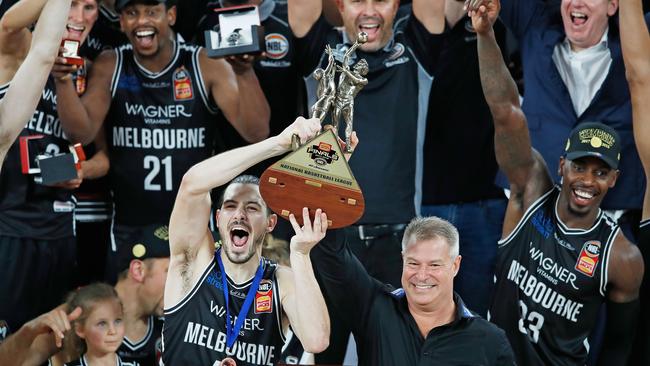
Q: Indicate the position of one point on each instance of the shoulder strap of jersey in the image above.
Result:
(203, 92)
(3, 89)
(526, 216)
(606, 251)
(119, 53)
(271, 270)
(174, 308)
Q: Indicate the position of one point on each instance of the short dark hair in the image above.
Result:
(121, 4)
(243, 179)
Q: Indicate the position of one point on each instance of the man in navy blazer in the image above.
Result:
(574, 73)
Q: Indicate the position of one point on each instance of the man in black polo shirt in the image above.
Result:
(424, 322)
(389, 114)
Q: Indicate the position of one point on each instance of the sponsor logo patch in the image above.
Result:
(398, 50)
(264, 297)
(80, 81)
(182, 85)
(277, 46)
(588, 258)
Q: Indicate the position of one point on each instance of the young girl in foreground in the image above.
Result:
(98, 332)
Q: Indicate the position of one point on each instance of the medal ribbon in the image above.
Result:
(232, 332)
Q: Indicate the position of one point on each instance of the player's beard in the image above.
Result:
(257, 241)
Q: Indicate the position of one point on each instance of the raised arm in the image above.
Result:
(625, 272)
(15, 36)
(302, 298)
(27, 84)
(431, 13)
(303, 14)
(190, 241)
(635, 43)
(238, 94)
(524, 167)
(329, 69)
(22, 15)
(82, 117)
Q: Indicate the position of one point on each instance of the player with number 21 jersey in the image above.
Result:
(158, 126)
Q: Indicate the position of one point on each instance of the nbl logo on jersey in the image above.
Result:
(277, 46)
(588, 259)
(264, 297)
(182, 85)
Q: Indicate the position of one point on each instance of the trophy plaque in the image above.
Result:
(71, 53)
(235, 31)
(316, 175)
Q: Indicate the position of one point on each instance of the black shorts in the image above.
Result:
(35, 276)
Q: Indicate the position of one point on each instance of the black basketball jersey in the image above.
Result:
(27, 208)
(550, 283)
(158, 126)
(146, 351)
(82, 362)
(194, 332)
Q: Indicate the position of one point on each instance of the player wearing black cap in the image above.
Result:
(635, 42)
(560, 257)
(159, 98)
(140, 286)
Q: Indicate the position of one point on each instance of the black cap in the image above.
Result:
(150, 241)
(121, 4)
(594, 139)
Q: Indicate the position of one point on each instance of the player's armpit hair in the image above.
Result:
(186, 269)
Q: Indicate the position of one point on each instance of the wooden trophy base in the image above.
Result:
(314, 176)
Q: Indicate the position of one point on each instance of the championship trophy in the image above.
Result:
(235, 31)
(316, 174)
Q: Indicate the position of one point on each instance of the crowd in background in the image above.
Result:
(438, 137)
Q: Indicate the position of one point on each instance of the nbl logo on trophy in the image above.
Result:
(315, 175)
(322, 154)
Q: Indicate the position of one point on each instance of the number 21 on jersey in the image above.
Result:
(152, 182)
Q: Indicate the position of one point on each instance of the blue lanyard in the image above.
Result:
(233, 331)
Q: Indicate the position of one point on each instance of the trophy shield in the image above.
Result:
(316, 175)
